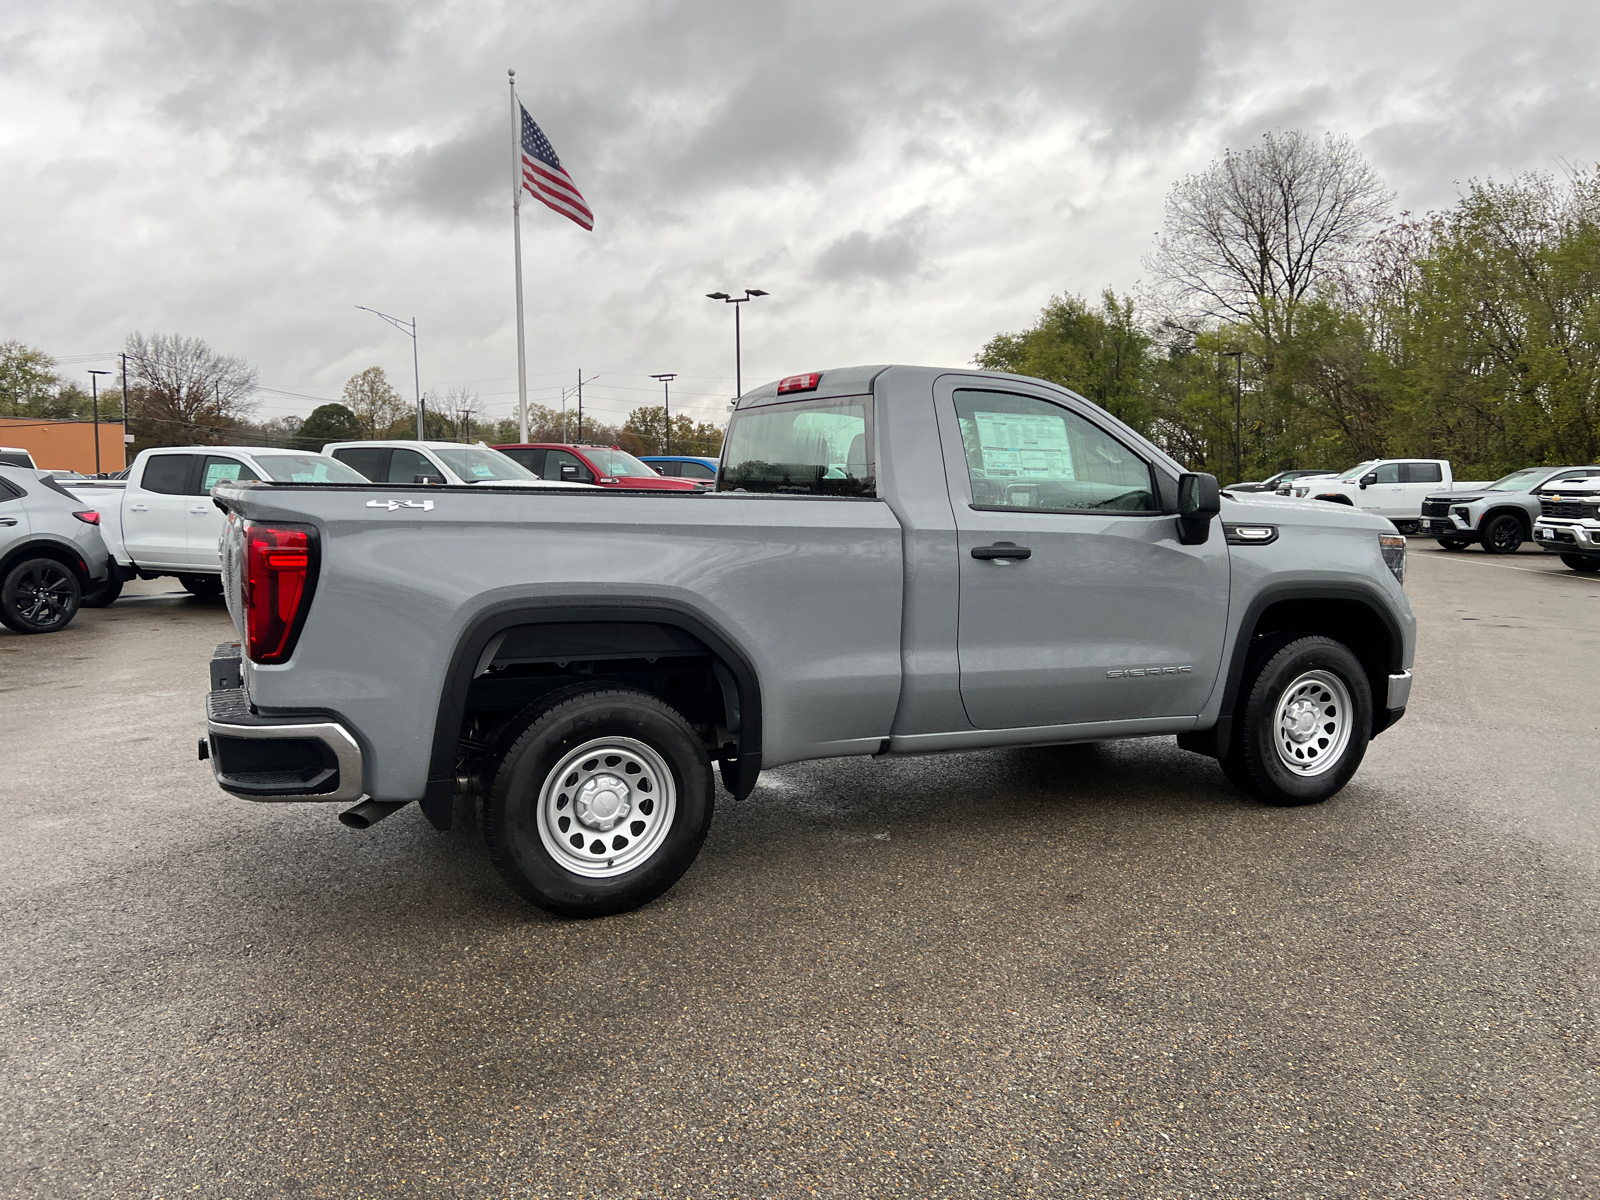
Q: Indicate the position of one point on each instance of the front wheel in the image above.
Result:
(1581, 562)
(1306, 721)
(600, 804)
(38, 595)
(1453, 543)
(1503, 535)
(203, 586)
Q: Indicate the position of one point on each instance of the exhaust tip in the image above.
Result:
(369, 812)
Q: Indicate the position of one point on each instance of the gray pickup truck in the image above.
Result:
(896, 560)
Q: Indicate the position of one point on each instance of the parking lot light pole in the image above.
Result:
(749, 294)
(409, 328)
(94, 387)
(1238, 423)
(666, 404)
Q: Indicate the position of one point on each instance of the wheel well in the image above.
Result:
(514, 660)
(1522, 517)
(1335, 498)
(1347, 621)
(67, 558)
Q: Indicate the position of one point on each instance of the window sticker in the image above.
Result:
(482, 470)
(1024, 445)
(217, 472)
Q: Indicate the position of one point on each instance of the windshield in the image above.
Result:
(617, 462)
(1357, 471)
(805, 448)
(476, 463)
(307, 468)
(1518, 481)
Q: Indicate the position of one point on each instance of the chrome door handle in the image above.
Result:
(138, 508)
(1001, 552)
(8, 520)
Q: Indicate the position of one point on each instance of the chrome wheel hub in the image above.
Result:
(1311, 728)
(606, 807)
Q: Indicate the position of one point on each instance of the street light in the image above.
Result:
(410, 329)
(666, 404)
(94, 386)
(749, 294)
(1238, 424)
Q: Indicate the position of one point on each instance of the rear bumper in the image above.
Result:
(275, 758)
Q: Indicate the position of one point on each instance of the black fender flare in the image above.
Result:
(1512, 510)
(439, 796)
(1215, 741)
(48, 546)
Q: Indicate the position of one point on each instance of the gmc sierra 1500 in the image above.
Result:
(896, 560)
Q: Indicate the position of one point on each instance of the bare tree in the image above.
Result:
(377, 406)
(182, 391)
(1259, 231)
(463, 407)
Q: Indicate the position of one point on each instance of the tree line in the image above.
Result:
(1291, 319)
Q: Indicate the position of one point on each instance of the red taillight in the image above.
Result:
(279, 574)
(799, 383)
(88, 517)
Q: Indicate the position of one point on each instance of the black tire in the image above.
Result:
(39, 595)
(1409, 528)
(1453, 543)
(512, 809)
(1582, 562)
(106, 594)
(203, 586)
(1502, 535)
(1254, 763)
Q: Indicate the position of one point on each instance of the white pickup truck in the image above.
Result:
(161, 521)
(1386, 487)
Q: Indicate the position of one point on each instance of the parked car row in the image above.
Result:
(1556, 507)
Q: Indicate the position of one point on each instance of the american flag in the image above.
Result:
(546, 178)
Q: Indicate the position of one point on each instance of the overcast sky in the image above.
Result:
(905, 179)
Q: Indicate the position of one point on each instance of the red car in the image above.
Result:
(605, 465)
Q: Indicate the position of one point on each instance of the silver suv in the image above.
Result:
(1498, 517)
(51, 552)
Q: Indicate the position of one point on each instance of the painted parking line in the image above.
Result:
(1574, 576)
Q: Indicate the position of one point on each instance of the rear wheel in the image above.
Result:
(106, 594)
(204, 586)
(38, 595)
(600, 804)
(1305, 725)
(1502, 535)
(1581, 562)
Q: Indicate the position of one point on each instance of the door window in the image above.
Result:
(1421, 473)
(218, 470)
(371, 461)
(406, 465)
(530, 457)
(670, 469)
(1387, 473)
(167, 474)
(554, 460)
(1027, 453)
(694, 470)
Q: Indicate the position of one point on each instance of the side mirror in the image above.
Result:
(569, 471)
(1367, 480)
(1198, 501)
(435, 479)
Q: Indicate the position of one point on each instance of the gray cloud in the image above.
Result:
(889, 257)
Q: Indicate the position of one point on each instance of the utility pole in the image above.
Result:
(738, 369)
(409, 328)
(666, 404)
(580, 405)
(94, 385)
(125, 430)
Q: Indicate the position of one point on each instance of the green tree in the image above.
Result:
(648, 424)
(378, 408)
(329, 423)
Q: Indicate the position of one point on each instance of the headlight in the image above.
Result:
(1394, 554)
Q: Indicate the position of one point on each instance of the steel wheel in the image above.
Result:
(1312, 724)
(606, 807)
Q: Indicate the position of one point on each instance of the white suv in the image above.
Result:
(438, 463)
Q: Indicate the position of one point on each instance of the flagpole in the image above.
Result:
(516, 238)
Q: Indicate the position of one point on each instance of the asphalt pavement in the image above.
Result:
(1093, 971)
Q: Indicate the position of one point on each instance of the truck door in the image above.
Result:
(1099, 590)
(205, 520)
(1383, 496)
(1418, 480)
(155, 530)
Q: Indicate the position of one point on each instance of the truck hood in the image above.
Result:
(1272, 509)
